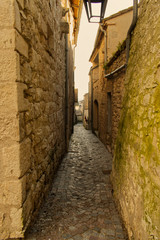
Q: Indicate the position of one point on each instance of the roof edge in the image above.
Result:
(99, 32)
(118, 13)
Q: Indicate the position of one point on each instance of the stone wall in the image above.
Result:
(33, 95)
(90, 101)
(107, 93)
(69, 100)
(136, 168)
(11, 196)
(114, 90)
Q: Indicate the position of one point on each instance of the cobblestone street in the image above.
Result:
(80, 205)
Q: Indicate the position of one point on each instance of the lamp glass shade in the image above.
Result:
(95, 9)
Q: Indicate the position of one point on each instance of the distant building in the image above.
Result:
(79, 111)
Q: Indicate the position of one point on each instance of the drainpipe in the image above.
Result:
(115, 71)
(105, 42)
(133, 24)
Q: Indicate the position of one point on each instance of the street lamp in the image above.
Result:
(95, 9)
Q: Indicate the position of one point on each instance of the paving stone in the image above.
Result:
(78, 237)
(80, 205)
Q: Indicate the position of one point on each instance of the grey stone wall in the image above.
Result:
(33, 81)
(114, 86)
(136, 167)
(42, 124)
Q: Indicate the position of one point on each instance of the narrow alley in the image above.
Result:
(80, 205)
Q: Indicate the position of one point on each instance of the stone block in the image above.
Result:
(28, 129)
(17, 23)
(29, 115)
(36, 59)
(18, 77)
(16, 221)
(9, 131)
(10, 161)
(8, 99)
(9, 66)
(23, 103)
(8, 118)
(25, 156)
(38, 94)
(21, 45)
(22, 127)
(28, 207)
(21, 3)
(146, 99)
(7, 40)
(11, 193)
(64, 27)
(1, 219)
(7, 14)
(43, 26)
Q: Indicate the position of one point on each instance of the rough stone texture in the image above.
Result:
(136, 168)
(105, 95)
(33, 76)
(90, 102)
(80, 205)
(101, 87)
(114, 86)
(69, 100)
(10, 185)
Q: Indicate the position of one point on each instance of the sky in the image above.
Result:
(85, 44)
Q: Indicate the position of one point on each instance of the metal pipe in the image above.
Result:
(133, 24)
(90, 8)
(115, 71)
(85, 5)
(103, 8)
(92, 68)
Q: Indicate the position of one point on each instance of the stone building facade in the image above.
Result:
(136, 167)
(105, 95)
(79, 111)
(115, 90)
(36, 103)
